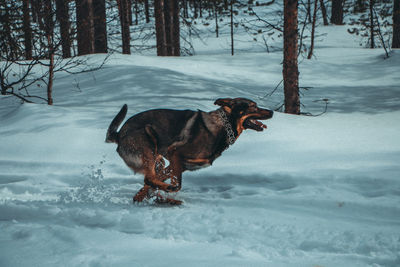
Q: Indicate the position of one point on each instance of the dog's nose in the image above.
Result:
(272, 113)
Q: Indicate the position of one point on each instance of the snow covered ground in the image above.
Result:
(308, 191)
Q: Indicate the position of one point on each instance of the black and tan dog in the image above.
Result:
(188, 139)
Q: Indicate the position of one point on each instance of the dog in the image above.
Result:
(188, 139)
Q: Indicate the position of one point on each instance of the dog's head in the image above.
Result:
(244, 113)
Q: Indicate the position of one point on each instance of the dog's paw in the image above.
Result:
(169, 201)
(172, 188)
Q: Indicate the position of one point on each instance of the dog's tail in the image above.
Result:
(112, 134)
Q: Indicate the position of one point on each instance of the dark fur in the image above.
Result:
(188, 139)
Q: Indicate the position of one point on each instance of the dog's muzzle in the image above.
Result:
(253, 121)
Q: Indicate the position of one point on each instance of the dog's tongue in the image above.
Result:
(259, 123)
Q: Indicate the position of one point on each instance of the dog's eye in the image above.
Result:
(242, 107)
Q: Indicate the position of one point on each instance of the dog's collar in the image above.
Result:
(228, 127)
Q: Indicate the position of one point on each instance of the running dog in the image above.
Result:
(188, 139)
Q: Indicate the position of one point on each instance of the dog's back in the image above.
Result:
(164, 122)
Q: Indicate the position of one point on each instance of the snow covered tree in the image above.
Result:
(290, 50)
(374, 24)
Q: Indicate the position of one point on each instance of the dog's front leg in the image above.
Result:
(176, 172)
(169, 173)
(142, 194)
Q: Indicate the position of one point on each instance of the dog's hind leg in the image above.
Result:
(152, 166)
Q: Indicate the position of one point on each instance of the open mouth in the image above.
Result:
(253, 123)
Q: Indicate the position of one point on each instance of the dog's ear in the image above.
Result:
(224, 102)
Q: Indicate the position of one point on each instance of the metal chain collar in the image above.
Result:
(228, 127)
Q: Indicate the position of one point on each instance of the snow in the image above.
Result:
(308, 191)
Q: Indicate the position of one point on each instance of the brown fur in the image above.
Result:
(188, 139)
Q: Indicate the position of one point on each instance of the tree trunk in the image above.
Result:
(290, 68)
(323, 10)
(337, 12)
(84, 27)
(185, 9)
(63, 18)
(396, 24)
(27, 30)
(11, 47)
(100, 27)
(195, 9)
(314, 18)
(175, 30)
(371, 23)
(124, 19)
(2, 83)
(49, 30)
(160, 28)
(309, 11)
(167, 27)
(359, 6)
(146, 8)
(216, 18)
(35, 11)
(130, 13)
(136, 12)
(50, 80)
(232, 44)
